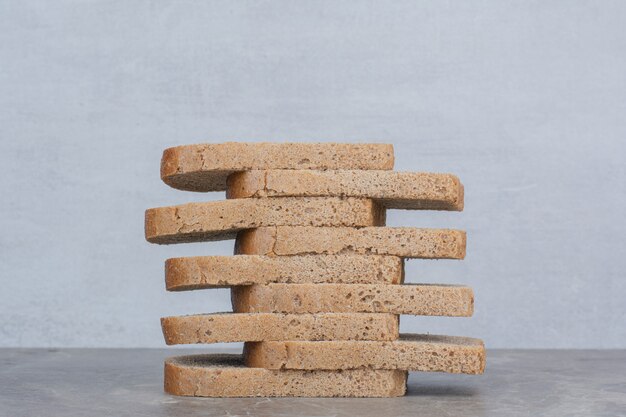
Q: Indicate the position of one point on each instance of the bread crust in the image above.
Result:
(220, 220)
(201, 272)
(412, 352)
(226, 376)
(317, 280)
(394, 190)
(405, 242)
(242, 327)
(415, 299)
(206, 167)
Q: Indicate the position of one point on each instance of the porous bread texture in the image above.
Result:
(413, 352)
(393, 190)
(258, 327)
(226, 376)
(205, 167)
(219, 271)
(406, 242)
(416, 299)
(218, 220)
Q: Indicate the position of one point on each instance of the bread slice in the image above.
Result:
(205, 167)
(220, 220)
(406, 242)
(417, 299)
(412, 352)
(226, 376)
(220, 271)
(394, 190)
(258, 327)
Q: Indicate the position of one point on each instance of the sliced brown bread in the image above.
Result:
(259, 327)
(221, 271)
(227, 376)
(417, 299)
(406, 242)
(205, 167)
(395, 190)
(218, 220)
(413, 352)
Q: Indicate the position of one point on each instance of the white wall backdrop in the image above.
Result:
(524, 100)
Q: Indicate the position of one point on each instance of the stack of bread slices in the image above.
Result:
(317, 280)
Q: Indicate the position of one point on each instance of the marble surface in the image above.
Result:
(120, 382)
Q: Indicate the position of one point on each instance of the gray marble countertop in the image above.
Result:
(120, 382)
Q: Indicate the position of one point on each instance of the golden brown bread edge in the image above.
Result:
(200, 272)
(243, 327)
(205, 167)
(412, 352)
(393, 190)
(406, 242)
(219, 220)
(415, 299)
(226, 376)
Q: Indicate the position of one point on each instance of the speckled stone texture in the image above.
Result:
(129, 382)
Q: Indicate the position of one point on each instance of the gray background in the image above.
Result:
(525, 101)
